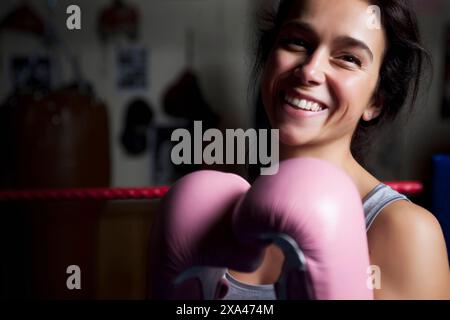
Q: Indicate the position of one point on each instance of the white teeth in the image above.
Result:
(304, 104)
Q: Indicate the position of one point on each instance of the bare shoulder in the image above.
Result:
(407, 243)
(403, 218)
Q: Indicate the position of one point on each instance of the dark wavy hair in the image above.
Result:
(400, 74)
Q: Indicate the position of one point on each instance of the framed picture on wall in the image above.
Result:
(446, 103)
(30, 72)
(132, 68)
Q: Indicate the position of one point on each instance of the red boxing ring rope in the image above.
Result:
(84, 194)
(407, 187)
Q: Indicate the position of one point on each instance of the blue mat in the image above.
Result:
(441, 193)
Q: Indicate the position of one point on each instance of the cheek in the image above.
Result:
(283, 60)
(278, 67)
(354, 92)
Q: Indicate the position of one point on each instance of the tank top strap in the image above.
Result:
(377, 199)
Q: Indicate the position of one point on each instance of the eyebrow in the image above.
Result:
(352, 42)
(342, 40)
(302, 26)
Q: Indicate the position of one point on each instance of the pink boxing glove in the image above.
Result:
(192, 241)
(313, 211)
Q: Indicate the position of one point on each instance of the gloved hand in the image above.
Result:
(192, 241)
(313, 211)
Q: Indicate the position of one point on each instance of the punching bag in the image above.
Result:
(61, 141)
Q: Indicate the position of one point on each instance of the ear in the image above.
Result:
(373, 110)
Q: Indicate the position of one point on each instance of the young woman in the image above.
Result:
(327, 78)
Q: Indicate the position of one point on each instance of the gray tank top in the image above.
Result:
(373, 203)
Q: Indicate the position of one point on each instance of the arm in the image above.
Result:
(407, 243)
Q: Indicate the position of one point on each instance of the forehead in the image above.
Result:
(333, 18)
(333, 10)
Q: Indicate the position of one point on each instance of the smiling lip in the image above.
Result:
(295, 111)
(297, 95)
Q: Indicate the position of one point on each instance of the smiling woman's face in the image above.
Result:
(321, 74)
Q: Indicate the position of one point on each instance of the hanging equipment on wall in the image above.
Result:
(23, 19)
(118, 19)
(184, 97)
(139, 114)
(59, 139)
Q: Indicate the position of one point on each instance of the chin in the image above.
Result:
(293, 138)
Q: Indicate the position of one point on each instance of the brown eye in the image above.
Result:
(296, 43)
(351, 59)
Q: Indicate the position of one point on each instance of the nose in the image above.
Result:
(311, 72)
